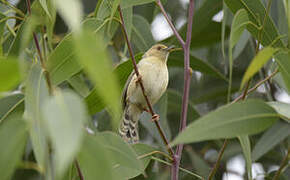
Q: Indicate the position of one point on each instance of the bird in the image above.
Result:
(153, 73)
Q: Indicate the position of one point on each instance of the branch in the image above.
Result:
(46, 73)
(169, 149)
(283, 164)
(79, 170)
(170, 23)
(186, 88)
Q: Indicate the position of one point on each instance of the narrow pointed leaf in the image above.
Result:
(258, 62)
(246, 146)
(229, 121)
(13, 136)
(272, 137)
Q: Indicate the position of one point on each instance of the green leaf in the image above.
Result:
(122, 72)
(257, 63)
(71, 11)
(283, 62)
(44, 6)
(176, 60)
(62, 62)
(141, 34)
(13, 134)
(272, 137)
(65, 126)
(94, 159)
(88, 47)
(2, 27)
(9, 74)
(10, 105)
(239, 24)
(36, 92)
(80, 86)
(282, 109)
(246, 146)
(125, 162)
(229, 121)
(256, 13)
(130, 3)
(113, 10)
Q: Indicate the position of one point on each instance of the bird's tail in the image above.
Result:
(129, 124)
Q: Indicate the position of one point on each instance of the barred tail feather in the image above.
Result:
(128, 129)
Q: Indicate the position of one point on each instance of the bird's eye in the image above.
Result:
(159, 48)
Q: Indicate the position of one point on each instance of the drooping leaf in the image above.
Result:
(141, 33)
(246, 146)
(65, 126)
(88, 47)
(94, 160)
(36, 92)
(45, 7)
(125, 162)
(257, 63)
(62, 62)
(13, 135)
(239, 23)
(282, 109)
(9, 74)
(80, 86)
(244, 118)
(272, 137)
(10, 105)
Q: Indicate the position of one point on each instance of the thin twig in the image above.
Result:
(158, 2)
(182, 169)
(43, 65)
(18, 11)
(170, 151)
(257, 85)
(187, 77)
(216, 165)
(79, 170)
(283, 164)
(155, 152)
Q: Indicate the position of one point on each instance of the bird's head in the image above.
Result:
(160, 51)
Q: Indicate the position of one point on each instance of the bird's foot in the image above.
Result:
(139, 79)
(155, 117)
(145, 109)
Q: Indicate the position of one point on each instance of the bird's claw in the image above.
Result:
(139, 79)
(155, 117)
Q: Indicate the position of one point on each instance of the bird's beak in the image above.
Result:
(170, 48)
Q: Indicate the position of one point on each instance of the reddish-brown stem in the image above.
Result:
(170, 151)
(46, 73)
(187, 76)
(79, 170)
(216, 165)
(283, 164)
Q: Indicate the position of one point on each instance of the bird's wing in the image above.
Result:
(124, 93)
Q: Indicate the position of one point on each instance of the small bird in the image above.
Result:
(154, 76)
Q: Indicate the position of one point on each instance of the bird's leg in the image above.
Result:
(145, 109)
(155, 117)
(139, 79)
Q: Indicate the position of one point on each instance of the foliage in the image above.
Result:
(63, 66)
